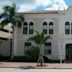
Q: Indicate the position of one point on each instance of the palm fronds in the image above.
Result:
(46, 38)
(4, 22)
(11, 16)
(39, 38)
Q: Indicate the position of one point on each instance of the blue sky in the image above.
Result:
(36, 5)
(68, 2)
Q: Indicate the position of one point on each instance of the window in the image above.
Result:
(67, 28)
(31, 28)
(25, 28)
(50, 27)
(28, 28)
(71, 28)
(27, 46)
(47, 48)
(45, 27)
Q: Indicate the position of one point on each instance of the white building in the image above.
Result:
(58, 24)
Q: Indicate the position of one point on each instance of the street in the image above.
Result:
(33, 70)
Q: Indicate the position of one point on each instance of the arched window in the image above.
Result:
(44, 23)
(25, 28)
(45, 27)
(31, 28)
(67, 28)
(50, 23)
(50, 27)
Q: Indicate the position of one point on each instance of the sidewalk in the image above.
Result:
(34, 65)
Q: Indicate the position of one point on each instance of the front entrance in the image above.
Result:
(69, 52)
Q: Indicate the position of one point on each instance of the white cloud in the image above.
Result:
(28, 5)
(42, 2)
(55, 5)
(33, 5)
(58, 5)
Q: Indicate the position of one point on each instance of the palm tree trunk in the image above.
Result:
(40, 58)
(12, 50)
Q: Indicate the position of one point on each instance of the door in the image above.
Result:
(69, 52)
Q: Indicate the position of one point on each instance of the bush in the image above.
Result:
(33, 52)
(4, 58)
(50, 60)
(22, 59)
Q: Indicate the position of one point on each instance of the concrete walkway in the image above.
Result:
(34, 65)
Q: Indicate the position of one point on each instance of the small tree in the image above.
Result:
(39, 39)
(10, 16)
(33, 52)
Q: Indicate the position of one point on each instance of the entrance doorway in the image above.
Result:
(69, 52)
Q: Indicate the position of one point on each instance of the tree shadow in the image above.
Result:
(28, 67)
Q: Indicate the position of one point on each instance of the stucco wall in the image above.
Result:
(59, 39)
(5, 48)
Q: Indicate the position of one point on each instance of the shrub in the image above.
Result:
(47, 60)
(33, 52)
(4, 58)
(22, 59)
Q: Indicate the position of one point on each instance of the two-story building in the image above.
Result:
(57, 24)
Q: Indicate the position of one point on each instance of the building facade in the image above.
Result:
(5, 42)
(57, 24)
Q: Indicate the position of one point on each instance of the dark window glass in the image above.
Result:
(50, 27)
(48, 44)
(27, 44)
(45, 27)
(25, 23)
(31, 23)
(67, 28)
(67, 31)
(44, 23)
(31, 28)
(27, 47)
(25, 28)
(50, 31)
(50, 23)
(45, 31)
(47, 49)
(30, 31)
(66, 23)
(71, 28)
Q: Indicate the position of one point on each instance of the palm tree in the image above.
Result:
(39, 39)
(10, 16)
